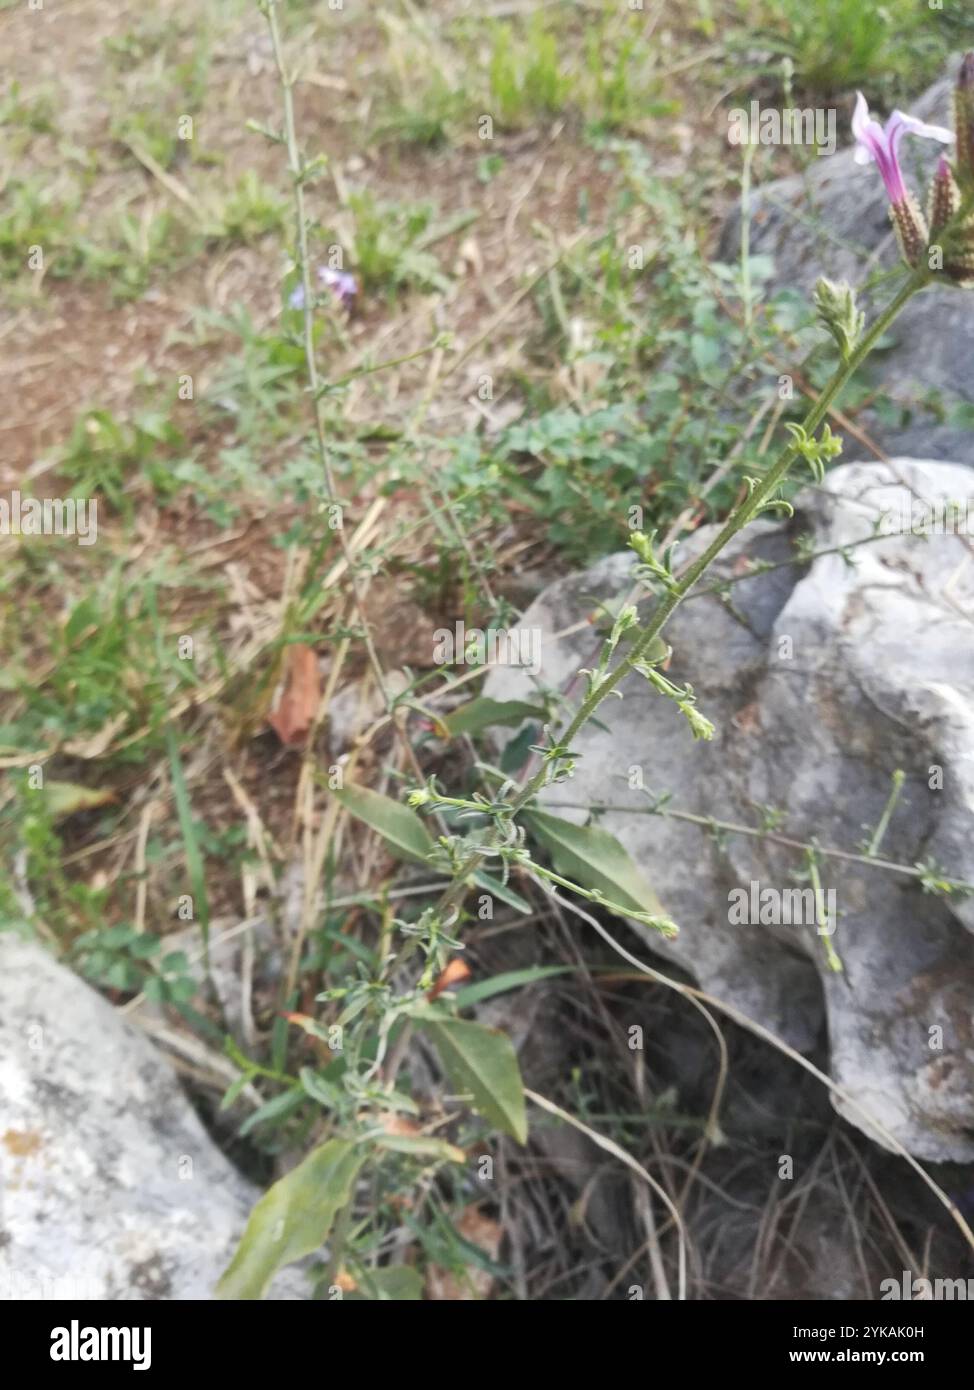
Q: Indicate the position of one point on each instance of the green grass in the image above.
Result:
(34, 115)
(103, 454)
(250, 210)
(391, 244)
(442, 83)
(835, 46)
(37, 216)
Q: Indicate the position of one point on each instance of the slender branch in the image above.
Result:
(671, 600)
(899, 777)
(298, 173)
(756, 832)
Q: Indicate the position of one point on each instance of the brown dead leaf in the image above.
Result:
(296, 709)
(473, 1284)
(400, 1125)
(452, 973)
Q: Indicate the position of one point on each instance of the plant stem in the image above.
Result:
(670, 601)
(298, 173)
(755, 832)
(822, 923)
(899, 777)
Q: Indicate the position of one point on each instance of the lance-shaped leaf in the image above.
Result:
(510, 979)
(481, 713)
(398, 824)
(293, 1218)
(592, 857)
(482, 1061)
(421, 1146)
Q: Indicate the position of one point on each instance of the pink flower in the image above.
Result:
(874, 143)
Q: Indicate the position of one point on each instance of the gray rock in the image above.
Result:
(822, 681)
(110, 1186)
(833, 220)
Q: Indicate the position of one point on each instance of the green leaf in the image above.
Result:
(421, 1146)
(191, 846)
(592, 857)
(321, 1090)
(155, 991)
(293, 1218)
(145, 946)
(510, 979)
(233, 1090)
(399, 825)
(482, 1061)
(502, 891)
(516, 752)
(279, 1107)
(180, 991)
(705, 351)
(482, 712)
(399, 1283)
(83, 616)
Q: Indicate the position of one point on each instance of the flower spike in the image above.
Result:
(880, 145)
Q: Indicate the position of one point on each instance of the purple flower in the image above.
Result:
(340, 282)
(874, 143)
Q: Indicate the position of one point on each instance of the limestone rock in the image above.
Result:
(110, 1187)
(822, 681)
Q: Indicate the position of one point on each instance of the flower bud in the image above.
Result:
(700, 726)
(910, 228)
(952, 227)
(955, 233)
(944, 200)
(964, 122)
(960, 267)
(835, 305)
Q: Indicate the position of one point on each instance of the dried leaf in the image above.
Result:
(98, 744)
(394, 1123)
(295, 712)
(452, 973)
(67, 798)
